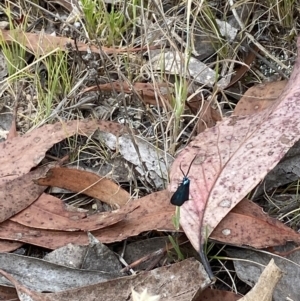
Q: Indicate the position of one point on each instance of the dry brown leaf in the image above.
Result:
(207, 118)
(54, 205)
(172, 283)
(8, 293)
(232, 158)
(20, 154)
(259, 97)
(39, 237)
(41, 43)
(86, 182)
(154, 212)
(50, 213)
(9, 246)
(240, 72)
(247, 224)
(20, 193)
(210, 294)
(146, 91)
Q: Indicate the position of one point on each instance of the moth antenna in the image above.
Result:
(189, 166)
(182, 170)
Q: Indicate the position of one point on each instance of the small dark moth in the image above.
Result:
(182, 193)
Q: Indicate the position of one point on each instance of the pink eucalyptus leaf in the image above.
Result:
(233, 157)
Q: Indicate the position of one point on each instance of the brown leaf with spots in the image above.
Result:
(41, 43)
(86, 182)
(153, 212)
(233, 157)
(20, 154)
(9, 246)
(20, 193)
(248, 225)
(51, 213)
(49, 239)
(259, 97)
